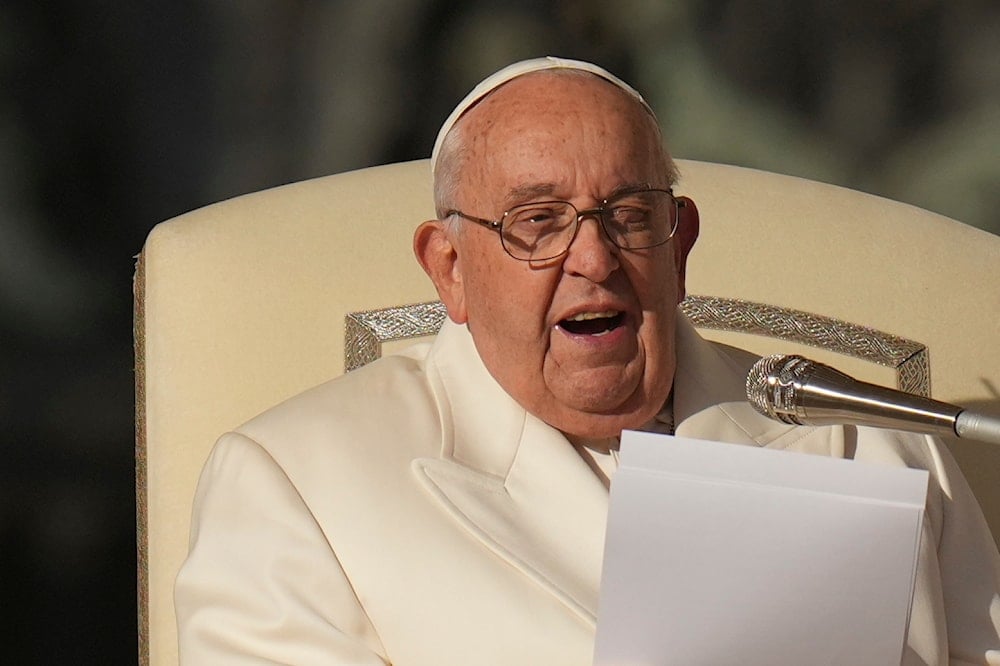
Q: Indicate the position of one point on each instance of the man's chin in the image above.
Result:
(595, 426)
(595, 418)
(611, 388)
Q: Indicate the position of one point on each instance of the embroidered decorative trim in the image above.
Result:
(366, 331)
(908, 358)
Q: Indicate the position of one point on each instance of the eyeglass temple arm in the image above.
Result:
(489, 224)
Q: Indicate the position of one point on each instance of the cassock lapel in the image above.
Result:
(512, 481)
(520, 488)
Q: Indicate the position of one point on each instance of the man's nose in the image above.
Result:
(591, 254)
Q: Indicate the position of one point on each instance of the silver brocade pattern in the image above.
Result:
(365, 332)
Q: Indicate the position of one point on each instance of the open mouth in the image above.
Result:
(592, 323)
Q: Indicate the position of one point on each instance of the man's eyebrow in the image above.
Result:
(522, 193)
(628, 187)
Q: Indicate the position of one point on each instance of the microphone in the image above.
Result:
(795, 390)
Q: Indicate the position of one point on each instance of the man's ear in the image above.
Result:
(439, 258)
(687, 234)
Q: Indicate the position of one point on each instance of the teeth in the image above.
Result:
(586, 316)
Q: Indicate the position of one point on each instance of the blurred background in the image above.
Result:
(117, 115)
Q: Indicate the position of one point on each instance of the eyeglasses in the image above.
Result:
(543, 230)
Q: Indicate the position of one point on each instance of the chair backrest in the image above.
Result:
(244, 303)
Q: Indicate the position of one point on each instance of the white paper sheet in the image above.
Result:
(726, 554)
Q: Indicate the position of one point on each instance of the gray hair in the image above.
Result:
(447, 176)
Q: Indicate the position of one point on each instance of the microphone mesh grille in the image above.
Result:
(771, 385)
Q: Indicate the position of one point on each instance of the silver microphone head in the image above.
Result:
(771, 385)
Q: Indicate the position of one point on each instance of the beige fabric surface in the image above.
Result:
(243, 305)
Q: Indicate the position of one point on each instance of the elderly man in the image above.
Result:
(447, 505)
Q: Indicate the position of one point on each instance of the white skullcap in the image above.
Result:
(494, 81)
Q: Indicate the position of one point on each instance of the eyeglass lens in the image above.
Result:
(544, 230)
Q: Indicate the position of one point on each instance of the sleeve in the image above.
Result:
(970, 570)
(262, 584)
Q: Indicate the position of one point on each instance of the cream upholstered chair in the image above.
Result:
(246, 302)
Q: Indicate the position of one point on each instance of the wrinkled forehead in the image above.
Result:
(518, 69)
